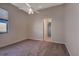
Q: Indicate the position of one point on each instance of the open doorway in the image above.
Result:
(47, 29)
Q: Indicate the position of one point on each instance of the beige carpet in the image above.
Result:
(34, 48)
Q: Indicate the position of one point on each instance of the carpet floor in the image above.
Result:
(34, 48)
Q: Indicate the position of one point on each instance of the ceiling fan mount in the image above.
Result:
(30, 9)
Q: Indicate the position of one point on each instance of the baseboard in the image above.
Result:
(13, 43)
(32, 38)
(45, 40)
(68, 49)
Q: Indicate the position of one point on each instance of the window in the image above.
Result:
(3, 26)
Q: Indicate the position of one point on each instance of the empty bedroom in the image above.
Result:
(39, 29)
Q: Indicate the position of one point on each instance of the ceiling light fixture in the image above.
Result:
(30, 10)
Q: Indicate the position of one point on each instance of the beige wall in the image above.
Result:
(17, 25)
(23, 26)
(72, 28)
(36, 24)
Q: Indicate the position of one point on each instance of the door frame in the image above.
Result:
(45, 37)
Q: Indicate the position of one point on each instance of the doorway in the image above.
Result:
(47, 29)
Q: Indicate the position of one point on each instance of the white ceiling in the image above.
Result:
(39, 6)
(35, 6)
